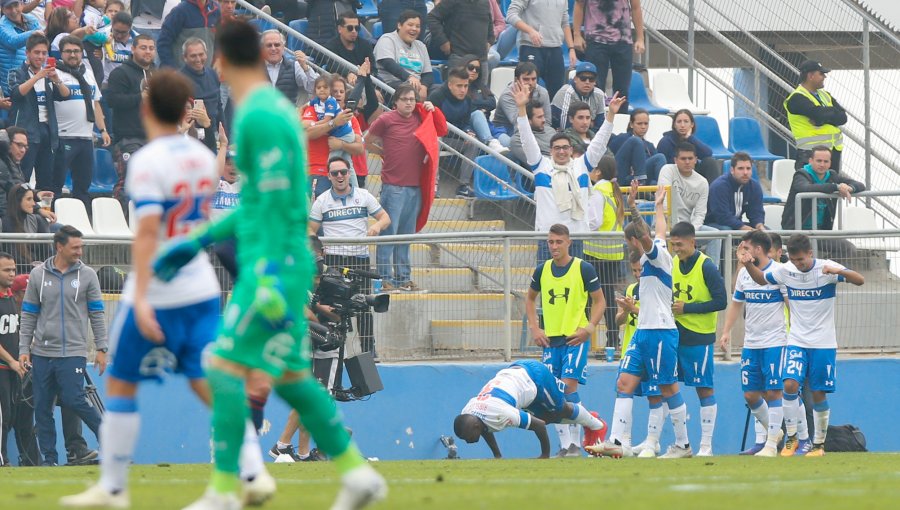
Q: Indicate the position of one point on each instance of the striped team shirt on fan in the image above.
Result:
(345, 216)
(811, 296)
(764, 310)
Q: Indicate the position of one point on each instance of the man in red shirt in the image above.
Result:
(317, 145)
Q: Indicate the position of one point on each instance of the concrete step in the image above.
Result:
(481, 255)
(444, 279)
(474, 335)
(463, 226)
(450, 209)
(521, 278)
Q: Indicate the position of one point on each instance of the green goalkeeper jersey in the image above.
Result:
(273, 212)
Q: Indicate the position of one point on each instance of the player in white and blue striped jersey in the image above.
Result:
(812, 342)
(765, 335)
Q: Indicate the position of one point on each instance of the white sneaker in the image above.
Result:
(496, 145)
(212, 500)
(705, 451)
(677, 452)
(646, 445)
(361, 486)
(647, 453)
(767, 452)
(96, 497)
(259, 490)
(606, 449)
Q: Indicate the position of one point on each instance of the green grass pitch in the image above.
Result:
(837, 481)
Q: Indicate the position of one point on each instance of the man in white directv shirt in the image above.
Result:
(161, 326)
(812, 342)
(762, 358)
(652, 355)
(76, 116)
(523, 386)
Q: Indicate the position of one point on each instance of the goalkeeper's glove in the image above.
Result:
(270, 301)
(177, 253)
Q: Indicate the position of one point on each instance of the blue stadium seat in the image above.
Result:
(299, 25)
(486, 187)
(262, 24)
(744, 134)
(638, 97)
(708, 133)
(105, 176)
(377, 30)
(524, 185)
(365, 34)
(368, 9)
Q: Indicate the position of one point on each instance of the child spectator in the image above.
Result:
(326, 107)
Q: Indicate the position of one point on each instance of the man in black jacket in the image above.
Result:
(34, 87)
(126, 86)
(349, 46)
(461, 27)
(453, 100)
(818, 176)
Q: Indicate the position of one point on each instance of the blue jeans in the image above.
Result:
(482, 128)
(75, 155)
(63, 377)
(402, 204)
(612, 57)
(633, 162)
(549, 62)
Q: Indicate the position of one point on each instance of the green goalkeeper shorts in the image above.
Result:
(246, 338)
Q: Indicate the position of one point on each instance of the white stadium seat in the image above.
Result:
(773, 216)
(782, 176)
(109, 218)
(670, 91)
(71, 211)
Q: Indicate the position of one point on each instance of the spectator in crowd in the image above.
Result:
(34, 89)
(114, 7)
(579, 121)
(60, 321)
(15, 412)
(226, 199)
(407, 140)
(206, 89)
(683, 128)
(540, 131)
(294, 78)
(561, 183)
(814, 116)
(581, 88)
(389, 11)
(15, 28)
(357, 151)
(37, 8)
(484, 103)
(817, 175)
(460, 28)
(21, 218)
(526, 74)
(349, 46)
(190, 18)
(322, 16)
(402, 58)
(118, 45)
(127, 85)
(13, 145)
(63, 22)
(227, 11)
(320, 143)
(344, 212)
(689, 195)
(498, 22)
(636, 158)
(76, 117)
(602, 30)
(735, 195)
(543, 28)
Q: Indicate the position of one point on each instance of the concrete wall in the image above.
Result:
(420, 401)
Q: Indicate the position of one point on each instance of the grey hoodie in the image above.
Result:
(56, 309)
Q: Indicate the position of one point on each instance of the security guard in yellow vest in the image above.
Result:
(698, 293)
(815, 116)
(605, 214)
(564, 284)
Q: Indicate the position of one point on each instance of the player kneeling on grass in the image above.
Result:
(503, 402)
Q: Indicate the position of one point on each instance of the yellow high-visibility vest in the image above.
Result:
(630, 325)
(808, 135)
(563, 300)
(691, 288)
(606, 249)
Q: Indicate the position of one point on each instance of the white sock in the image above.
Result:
(118, 435)
(821, 419)
(655, 423)
(575, 434)
(791, 412)
(621, 425)
(563, 430)
(678, 416)
(585, 419)
(802, 425)
(251, 460)
(761, 413)
(707, 423)
(776, 416)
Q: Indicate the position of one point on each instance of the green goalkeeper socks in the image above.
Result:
(319, 415)
(229, 416)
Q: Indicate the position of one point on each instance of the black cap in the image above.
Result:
(811, 66)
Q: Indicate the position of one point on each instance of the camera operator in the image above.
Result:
(344, 212)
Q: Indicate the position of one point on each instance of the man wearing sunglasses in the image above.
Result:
(583, 87)
(349, 46)
(344, 212)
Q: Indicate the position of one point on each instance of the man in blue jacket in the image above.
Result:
(15, 27)
(735, 195)
(190, 18)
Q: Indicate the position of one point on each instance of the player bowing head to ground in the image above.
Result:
(811, 352)
(160, 326)
(765, 334)
(263, 332)
(524, 395)
(653, 353)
